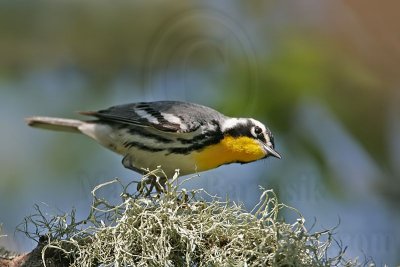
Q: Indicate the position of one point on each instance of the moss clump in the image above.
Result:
(182, 228)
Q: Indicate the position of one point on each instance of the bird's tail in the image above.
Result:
(55, 124)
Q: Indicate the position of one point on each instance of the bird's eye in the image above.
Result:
(256, 131)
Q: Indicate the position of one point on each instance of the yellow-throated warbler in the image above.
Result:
(171, 134)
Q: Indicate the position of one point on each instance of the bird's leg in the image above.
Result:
(161, 184)
(127, 162)
(156, 182)
(150, 183)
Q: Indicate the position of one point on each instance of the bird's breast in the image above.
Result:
(230, 149)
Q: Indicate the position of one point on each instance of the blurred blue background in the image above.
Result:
(323, 75)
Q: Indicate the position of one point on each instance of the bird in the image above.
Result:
(174, 135)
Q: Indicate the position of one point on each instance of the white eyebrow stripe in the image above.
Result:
(144, 114)
(231, 123)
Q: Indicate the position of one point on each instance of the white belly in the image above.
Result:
(118, 140)
(169, 162)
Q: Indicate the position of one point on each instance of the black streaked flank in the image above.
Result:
(138, 130)
(142, 146)
(195, 139)
(206, 135)
(198, 146)
(212, 139)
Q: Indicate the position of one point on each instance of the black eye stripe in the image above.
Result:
(262, 138)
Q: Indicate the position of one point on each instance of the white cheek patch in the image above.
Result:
(144, 114)
(253, 132)
(267, 139)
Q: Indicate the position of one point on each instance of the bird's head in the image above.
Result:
(250, 137)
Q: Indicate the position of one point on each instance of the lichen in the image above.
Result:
(181, 227)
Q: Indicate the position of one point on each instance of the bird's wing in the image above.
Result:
(169, 116)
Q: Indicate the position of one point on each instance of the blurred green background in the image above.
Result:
(323, 75)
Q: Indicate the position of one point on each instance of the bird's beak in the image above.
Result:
(272, 152)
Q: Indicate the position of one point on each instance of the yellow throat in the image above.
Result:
(229, 150)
